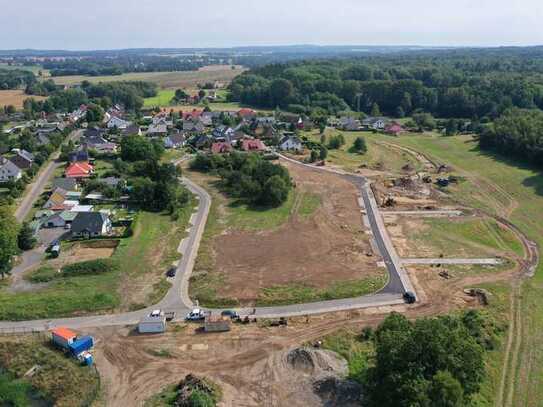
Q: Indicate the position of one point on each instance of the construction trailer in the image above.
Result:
(81, 345)
(63, 337)
(152, 324)
(217, 323)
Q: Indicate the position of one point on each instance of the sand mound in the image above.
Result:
(316, 361)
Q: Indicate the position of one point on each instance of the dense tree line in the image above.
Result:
(455, 85)
(248, 177)
(128, 94)
(517, 133)
(16, 79)
(98, 65)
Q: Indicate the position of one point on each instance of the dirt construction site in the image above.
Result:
(328, 246)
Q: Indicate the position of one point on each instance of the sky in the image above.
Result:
(115, 24)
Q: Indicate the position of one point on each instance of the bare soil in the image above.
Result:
(330, 246)
(79, 252)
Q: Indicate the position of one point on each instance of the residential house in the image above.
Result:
(194, 115)
(162, 118)
(91, 224)
(56, 199)
(94, 132)
(9, 171)
(156, 130)
(79, 170)
(22, 159)
(252, 145)
(201, 141)
(221, 147)
(176, 140)
(78, 114)
(375, 123)
(99, 144)
(132, 130)
(60, 219)
(246, 114)
(67, 184)
(207, 119)
(222, 133)
(117, 123)
(394, 129)
(291, 143)
(78, 155)
(193, 126)
(349, 123)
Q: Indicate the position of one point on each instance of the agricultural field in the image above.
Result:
(314, 247)
(16, 98)
(165, 80)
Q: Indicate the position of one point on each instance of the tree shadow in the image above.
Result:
(535, 182)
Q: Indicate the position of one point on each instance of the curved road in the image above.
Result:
(177, 298)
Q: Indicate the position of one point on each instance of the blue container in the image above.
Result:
(88, 360)
(81, 345)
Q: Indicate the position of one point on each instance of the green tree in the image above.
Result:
(95, 113)
(424, 121)
(275, 191)
(359, 145)
(445, 391)
(375, 111)
(323, 153)
(137, 148)
(314, 156)
(9, 230)
(26, 239)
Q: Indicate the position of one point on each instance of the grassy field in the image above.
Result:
(165, 80)
(513, 190)
(59, 381)
(377, 156)
(471, 237)
(163, 98)
(16, 98)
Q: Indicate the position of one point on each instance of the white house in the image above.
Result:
(376, 123)
(291, 143)
(117, 122)
(9, 171)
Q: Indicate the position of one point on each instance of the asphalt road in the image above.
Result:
(177, 298)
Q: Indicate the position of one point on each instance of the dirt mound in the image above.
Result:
(336, 391)
(316, 361)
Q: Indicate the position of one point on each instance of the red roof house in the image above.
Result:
(246, 113)
(79, 170)
(252, 145)
(221, 147)
(195, 114)
(394, 128)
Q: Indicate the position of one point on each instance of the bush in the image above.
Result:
(43, 275)
(97, 266)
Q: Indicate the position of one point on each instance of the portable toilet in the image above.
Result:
(63, 337)
(80, 345)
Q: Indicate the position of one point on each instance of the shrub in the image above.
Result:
(97, 266)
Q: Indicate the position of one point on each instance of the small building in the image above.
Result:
(81, 155)
(9, 171)
(252, 145)
(375, 123)
(393, 129)
(221, 147)
(174, 141)
(67, 184)
(91, 224)
(60, 220)
(349, 123)
(79, 170)
(291, 143)
(118, 123)
(246, 114)
(63, 337)
(217, 323)
(152, 324)
(160, 129)
(22, 159)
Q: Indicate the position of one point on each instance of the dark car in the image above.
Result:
(171, 272)
(409, 297)
(230, 313)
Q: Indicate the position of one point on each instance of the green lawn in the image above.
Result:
(514, 190)
(468, 237)
(163, 98)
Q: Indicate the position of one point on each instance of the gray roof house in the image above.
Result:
(91, 224)
(376, 123)
(291, 143)
(176, 140)
(67, 184)
(157, 130)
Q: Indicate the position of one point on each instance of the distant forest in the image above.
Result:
(446, 84)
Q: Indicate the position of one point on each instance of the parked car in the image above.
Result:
(409, 297)
(171, 272)
(196, 314)
(230, 313)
